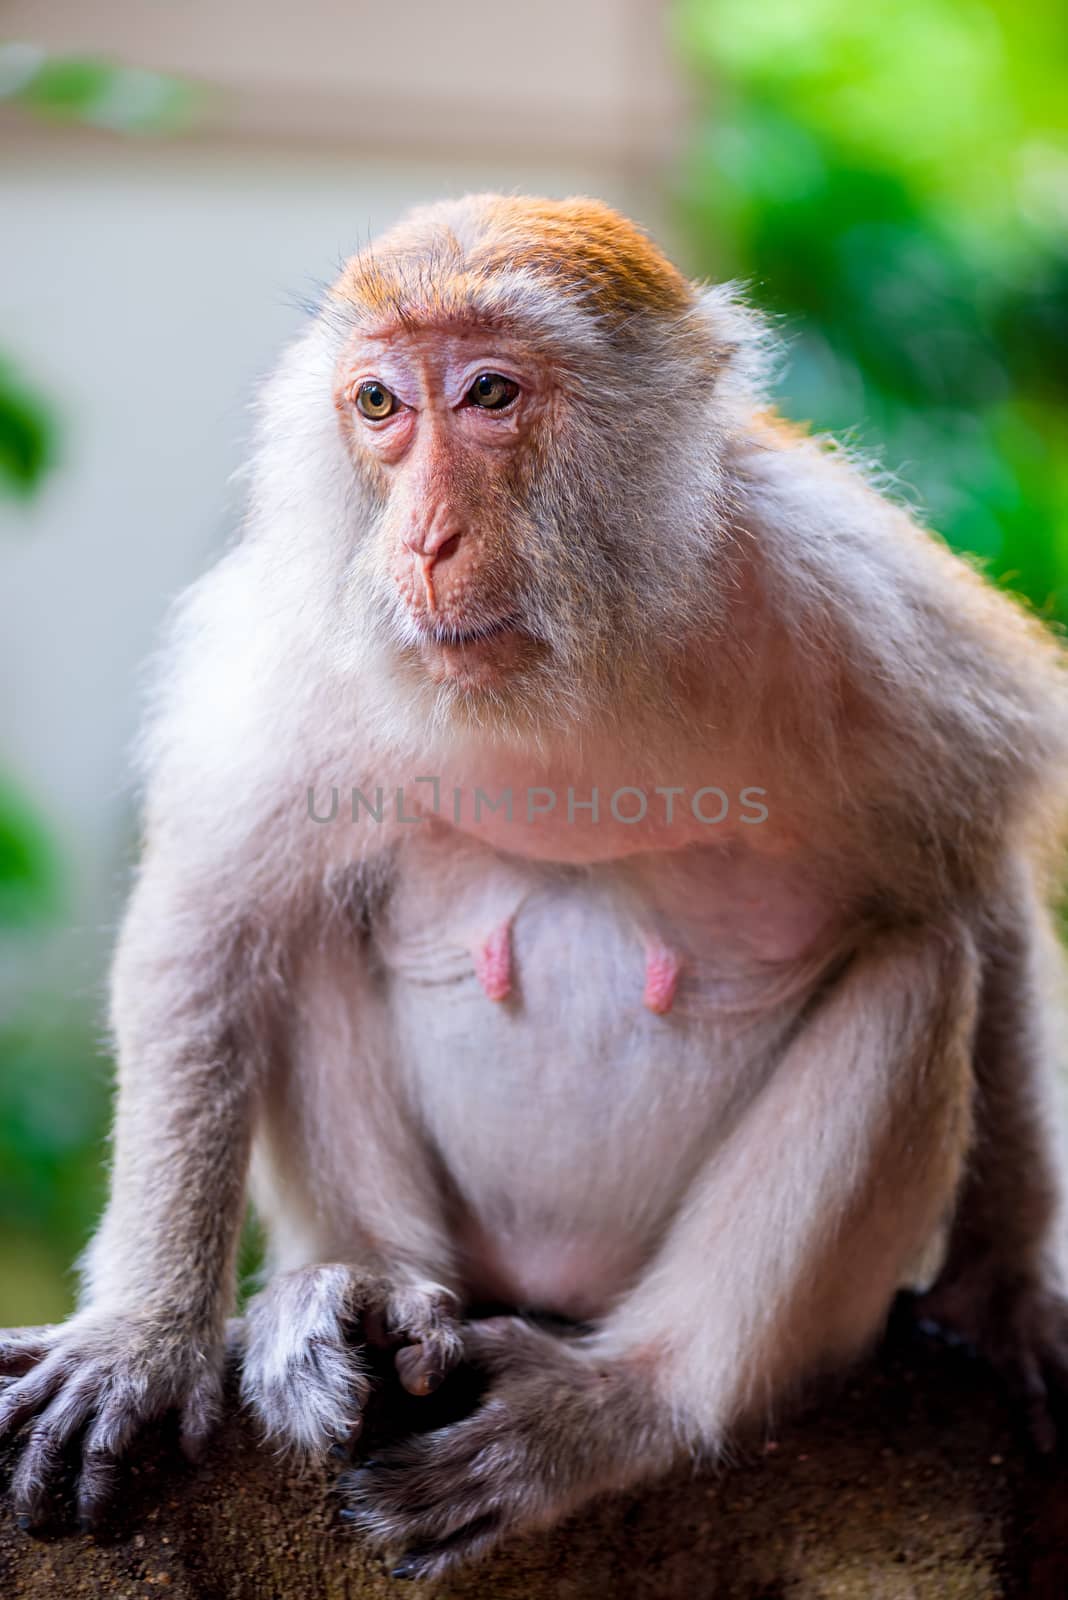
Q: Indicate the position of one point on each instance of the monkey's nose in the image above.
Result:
(433, 544)
(428, 547)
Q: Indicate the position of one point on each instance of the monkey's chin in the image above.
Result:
(481, 663)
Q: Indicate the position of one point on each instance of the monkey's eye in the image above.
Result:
(491, 392)
(375, 401)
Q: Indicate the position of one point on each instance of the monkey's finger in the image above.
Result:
(200, 1414)
(495, 1343)
(108, 1436)
(23, 1348)
(98, 1484)
(32, 1486)
(425, 1488)
(422, 1320)
(419, 1368)
(41, 1463)
(423, 1364)
(416, 1313)
(23, 1398)
(431, 1560)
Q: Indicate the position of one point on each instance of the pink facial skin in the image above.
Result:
(448, 465)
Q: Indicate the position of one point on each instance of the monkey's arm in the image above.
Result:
(786, 1253)
(148, 1335)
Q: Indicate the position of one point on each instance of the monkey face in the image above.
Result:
(443, 420)
(523, 559)
(526, 392)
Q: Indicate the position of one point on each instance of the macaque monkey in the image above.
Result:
(597, 863)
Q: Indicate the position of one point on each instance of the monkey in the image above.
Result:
(521, 523)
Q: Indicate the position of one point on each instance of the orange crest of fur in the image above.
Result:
(432, 266)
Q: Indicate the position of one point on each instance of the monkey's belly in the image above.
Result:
(571, 1112)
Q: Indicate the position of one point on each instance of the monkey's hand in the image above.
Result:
(302, 1374)
(1020, 1325)
(555, 1428)
(97, 1380)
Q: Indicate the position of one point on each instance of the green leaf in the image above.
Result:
(94, 90)
(29, 870)
(27, 435)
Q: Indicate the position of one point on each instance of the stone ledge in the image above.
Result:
(907, 1484)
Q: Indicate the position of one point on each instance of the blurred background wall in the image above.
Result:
(177, 181)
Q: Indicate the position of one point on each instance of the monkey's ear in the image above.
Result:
(740, 340)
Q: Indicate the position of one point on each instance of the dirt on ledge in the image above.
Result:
(908, 1483)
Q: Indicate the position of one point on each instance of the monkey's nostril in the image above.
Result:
(449, 548)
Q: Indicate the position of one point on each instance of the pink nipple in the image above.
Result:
(493, 963)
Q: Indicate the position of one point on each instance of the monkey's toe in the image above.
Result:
(445, 1497)
(441, 1498)
(466, 1544)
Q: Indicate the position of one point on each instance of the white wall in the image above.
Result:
(145, 287)
(573, 77)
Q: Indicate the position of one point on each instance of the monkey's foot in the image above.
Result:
(92, 1384)
(1021, 1328)
(553, 1430)
(302, 1373)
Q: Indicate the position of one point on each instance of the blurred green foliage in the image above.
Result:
(29, 871)
(99, 93)
(52, 1088)
(53, 1109)
(27, 434)
(892, 182)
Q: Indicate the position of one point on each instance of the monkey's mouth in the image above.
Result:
(473, 655)
(461, 638)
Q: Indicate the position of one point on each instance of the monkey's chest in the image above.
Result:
(580, 1040)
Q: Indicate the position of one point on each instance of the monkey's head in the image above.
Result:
(527, 394)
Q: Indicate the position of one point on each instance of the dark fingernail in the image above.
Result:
(405, 1569)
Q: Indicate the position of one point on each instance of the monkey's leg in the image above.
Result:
(302, 1374)
(1002, 1284)
(785, 1254)
(149, 1334)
